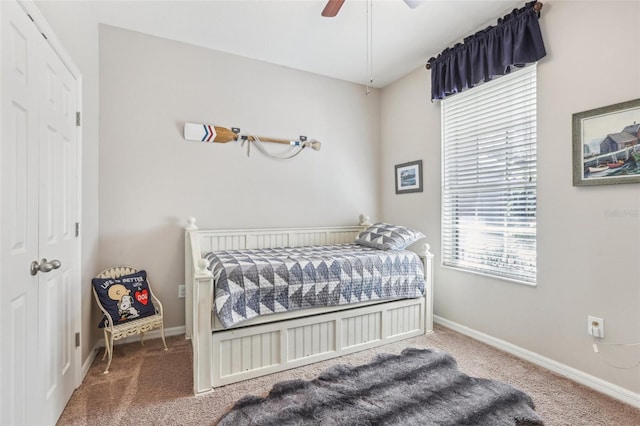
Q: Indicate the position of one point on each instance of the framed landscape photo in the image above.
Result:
(606, 145)
(409, 177)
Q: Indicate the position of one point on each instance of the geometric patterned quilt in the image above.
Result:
(250, 283)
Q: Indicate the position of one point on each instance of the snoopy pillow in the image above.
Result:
(125, 298)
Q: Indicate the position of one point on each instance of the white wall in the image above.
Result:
(74, 25)
(151, 179)
(588, 237)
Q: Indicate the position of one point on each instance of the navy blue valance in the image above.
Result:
(516, 40)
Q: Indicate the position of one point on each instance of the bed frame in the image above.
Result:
(281, 341)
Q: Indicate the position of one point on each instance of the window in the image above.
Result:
(489, 178)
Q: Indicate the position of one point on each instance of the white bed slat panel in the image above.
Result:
(341, 238)
(268, 240)
(361, 329)
(404, 320)
(235, 355)
(210, 241)
(246, 353)
(310, 340)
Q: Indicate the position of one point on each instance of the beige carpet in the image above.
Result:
(148, 386)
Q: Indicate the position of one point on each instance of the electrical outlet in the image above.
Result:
(181, 291)
(595, 327)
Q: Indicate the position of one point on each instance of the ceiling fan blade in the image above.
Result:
(332, 8)
(413, 3)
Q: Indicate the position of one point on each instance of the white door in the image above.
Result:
(37, 220)
(58, 288)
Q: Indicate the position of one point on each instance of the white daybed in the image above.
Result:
(281, 341)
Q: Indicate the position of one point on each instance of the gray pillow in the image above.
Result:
(388, 237)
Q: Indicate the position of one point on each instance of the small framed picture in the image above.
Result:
(409, 177)
(606, 145)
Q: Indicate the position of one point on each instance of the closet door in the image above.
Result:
(38, 175)
(20, 106)
(57, 155)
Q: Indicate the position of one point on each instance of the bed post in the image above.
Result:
(201, 340)
(427, 260)
(198, 308)
(364, 222)
(189, 263)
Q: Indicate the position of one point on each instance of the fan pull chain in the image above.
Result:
(369, 45)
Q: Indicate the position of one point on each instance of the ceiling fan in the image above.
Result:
(333, 6)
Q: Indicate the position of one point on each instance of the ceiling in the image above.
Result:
(294, 34)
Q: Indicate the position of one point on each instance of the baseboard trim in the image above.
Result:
(86, 365)
(576, 375)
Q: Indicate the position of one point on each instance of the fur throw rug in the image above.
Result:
(417, 387)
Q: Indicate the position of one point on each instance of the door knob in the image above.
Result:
(44, 266)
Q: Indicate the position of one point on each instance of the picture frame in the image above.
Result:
(409, 177)
(614, 129)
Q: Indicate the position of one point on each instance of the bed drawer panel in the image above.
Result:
(360, 329)
(310, 340)
(405, 319)
(249, 353)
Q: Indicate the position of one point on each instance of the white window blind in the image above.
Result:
(489, 178)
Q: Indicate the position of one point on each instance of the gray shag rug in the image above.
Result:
(417, 387)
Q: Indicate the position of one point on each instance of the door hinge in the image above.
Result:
(78, 118)
(77, 340)
(77, 229)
